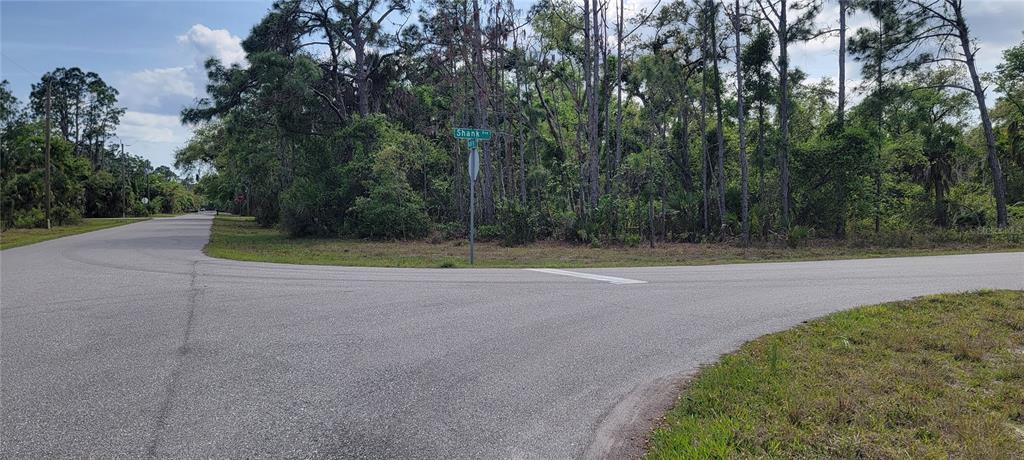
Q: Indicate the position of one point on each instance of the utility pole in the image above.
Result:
(124, 187)
(49, 194)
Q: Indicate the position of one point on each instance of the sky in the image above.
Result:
(152, 52)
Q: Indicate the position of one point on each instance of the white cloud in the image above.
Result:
(150, 127)
(154, 96)
(218, 43)
(155, 136)
(149, 88)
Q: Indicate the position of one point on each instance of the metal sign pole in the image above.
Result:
(472, 136)
(472, 212)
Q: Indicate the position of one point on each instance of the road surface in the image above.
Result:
(129, 342)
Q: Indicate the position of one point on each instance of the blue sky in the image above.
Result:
(152, 51)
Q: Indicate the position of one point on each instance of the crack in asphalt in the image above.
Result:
(181, 354)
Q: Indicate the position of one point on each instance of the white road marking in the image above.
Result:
(607, 279)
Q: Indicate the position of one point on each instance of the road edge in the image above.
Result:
(624, 430)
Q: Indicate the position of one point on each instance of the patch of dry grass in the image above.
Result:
(241, 239)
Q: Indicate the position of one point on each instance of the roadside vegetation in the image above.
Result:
(90, 172)
(681, 125)
(15, 237)
(697, 128)
(241, 238)
(936, 377)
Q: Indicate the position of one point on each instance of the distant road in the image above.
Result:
(129, 342)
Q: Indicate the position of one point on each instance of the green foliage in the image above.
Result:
(302, 209)
(797, 236)
(103, 196)
(1016, 212)
(84, 109)
(972, 206)
(88, 178)
(327, 146)
(30, 218)
(827, 172)
(517, 224)
(63, 215)
(488, 232)
(361, 182)
(390, 210)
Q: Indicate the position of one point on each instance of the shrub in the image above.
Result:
(138, 209)
(1016, 213)
(390, 210)
(30, 218)
(302, 211)
(966, 219)
(369, 179)
(487, 232)
(63, 215)
(560, 225)
(517, 224)
(797, 235)
(450, 230)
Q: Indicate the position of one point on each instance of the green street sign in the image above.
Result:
(471, 133)
(472, 144)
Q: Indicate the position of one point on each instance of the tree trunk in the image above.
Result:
(684, 144)
(941, 215)
(742, 133)
(720, 135)
(881, 133)
(1014, 134)
(998, 185)
(650, 217)
(840, 229)
(619, 30)
(520, 86)
(605, 104)
(593, 117)
(480, 82)
(760, 152)
(362, 76)
(784, 113)
(841, 107)
(705, 173)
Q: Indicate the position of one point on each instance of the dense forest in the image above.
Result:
(58, 161)
(683, 122)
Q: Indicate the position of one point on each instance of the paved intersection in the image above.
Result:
(129, 342)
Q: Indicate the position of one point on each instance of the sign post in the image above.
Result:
(472, 136)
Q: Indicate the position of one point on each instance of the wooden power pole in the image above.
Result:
(49, 194)
(124, 186)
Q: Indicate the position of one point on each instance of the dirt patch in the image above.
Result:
(624, 431)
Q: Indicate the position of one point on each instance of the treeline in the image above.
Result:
(89, 175)
(685, 123)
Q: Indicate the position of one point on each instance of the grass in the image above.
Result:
(936, 377)
(241, 239)
(21, 236)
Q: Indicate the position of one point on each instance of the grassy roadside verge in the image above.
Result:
(241, 239)
(21, 236)
(936, 377)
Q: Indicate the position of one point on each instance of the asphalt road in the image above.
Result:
(129, 342)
